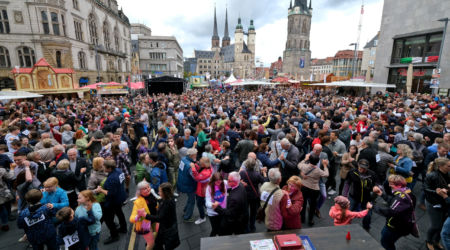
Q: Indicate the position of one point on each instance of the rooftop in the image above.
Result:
(347, 54)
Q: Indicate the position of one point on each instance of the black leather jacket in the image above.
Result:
(435, 179)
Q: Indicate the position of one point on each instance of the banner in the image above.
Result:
(302, 63)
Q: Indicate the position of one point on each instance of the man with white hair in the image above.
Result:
(259, 166)
(289, 160)
(79, 167)
(272, 195)
(236, 213)
(40, 144)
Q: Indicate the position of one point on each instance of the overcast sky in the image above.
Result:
(334, 23)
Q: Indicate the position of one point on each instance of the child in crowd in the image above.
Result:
(37, 222)
(54, 196)
(87, 204)
(73, 232)
(342, 215)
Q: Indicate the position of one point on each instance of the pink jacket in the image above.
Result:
(202, 179)
(336, 211)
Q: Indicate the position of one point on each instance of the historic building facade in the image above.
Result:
(321, 68)
(92, 37)
(297, 55)
(222, 60)
(369, 57)
(344, 63)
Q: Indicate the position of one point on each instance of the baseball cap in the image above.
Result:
(363, 164)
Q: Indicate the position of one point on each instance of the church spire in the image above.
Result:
(310, 5)
(215, 38)
(226, 35)
(290, 6)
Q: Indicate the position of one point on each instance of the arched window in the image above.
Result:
(45, 22)
(82, 60)
(26, 56)
(93, 29)
(106, 35)
(5, 61)
(116, 39)
(58, 59)
(119, 65)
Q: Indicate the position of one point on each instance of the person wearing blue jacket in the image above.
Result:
(73, 231)
(263, 156)
(86, 204)
(403, 163)
(114, 190)
(158, 172)
(37, 222)
(54, 196)
(187, 184)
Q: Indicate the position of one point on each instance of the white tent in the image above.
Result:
(231, 79)
(249, 83)
(17, 94)
(355, 84)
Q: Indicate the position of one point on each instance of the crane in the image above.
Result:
(358, 39)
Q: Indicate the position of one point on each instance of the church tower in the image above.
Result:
(215, 41)
(297, 55)
(251, 38)
(226, 36)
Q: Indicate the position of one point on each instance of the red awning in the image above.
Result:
(137, 85)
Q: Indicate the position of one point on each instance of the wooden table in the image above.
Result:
(321, 238)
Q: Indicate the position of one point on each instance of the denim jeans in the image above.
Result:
(323, 194)
(201, 206)
(4, 214)
(356, 207)
(445, 234)
(388, 238)
(189, 208)
(94, 242)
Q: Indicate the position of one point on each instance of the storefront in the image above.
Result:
(421, 78)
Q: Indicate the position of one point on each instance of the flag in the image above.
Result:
(416, 59)
(406, 60)
(432, 59)
(302, 63)
(362, 9)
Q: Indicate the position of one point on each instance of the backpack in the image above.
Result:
(418, 156)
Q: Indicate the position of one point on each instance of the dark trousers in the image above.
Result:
(309, 196)
(253, 206)
(109, 213)
(357, 207)
(331, 180)
(51, 245)
(388, 238)
(201, 206)
(437, 218)
(215, 225)
(341, 186)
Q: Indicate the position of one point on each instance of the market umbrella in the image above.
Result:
(409, 78)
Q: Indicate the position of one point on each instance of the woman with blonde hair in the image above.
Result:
(87, 203)
(291, 204)
(143, 146)
(403, 163)
(436, 186)
(98, 177)
(146, 203)
(54, 196)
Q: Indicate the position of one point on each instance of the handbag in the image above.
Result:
(261, 214)
(415, 228)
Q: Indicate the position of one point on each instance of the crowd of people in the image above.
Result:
(239, 156)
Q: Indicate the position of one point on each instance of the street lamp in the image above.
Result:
(354, 59)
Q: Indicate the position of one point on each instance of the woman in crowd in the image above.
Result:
(122, 162)
(174, 158)
(143, 168)
(87, 202)
(202, 138)
(341, 213)
(97, 178)
(403, 163)
(6, 196)
(215, 195)
(291, 204)
(143, 146)
(82, 142)
(105, 152)
(348, 162)
(263, 156)
(67, 181)
(311, 174)
(435, 186)
(202, 174)
(146, 203)
(67, 135)
(166, 216)
(252, 179)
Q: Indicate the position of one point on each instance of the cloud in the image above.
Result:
(334, 22)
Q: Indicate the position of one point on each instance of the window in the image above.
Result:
(93, 29)
(45, 22)
(434, 45)
(26, 57)
(375, 43)
(63, 21)
(106, 35)
(98, 62)
(119, 65)
(5, 61)
(75, 4)
(116, 38)
(372, 53)
(4, 23)
(78, 30)
(55, 23)
(82, 60)
(58, 59)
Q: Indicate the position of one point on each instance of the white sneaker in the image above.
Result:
(200, 221)
(23, 238)
(176, 194)
(331, 192)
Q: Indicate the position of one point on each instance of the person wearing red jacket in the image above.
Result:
(201, 174)
(292, 203)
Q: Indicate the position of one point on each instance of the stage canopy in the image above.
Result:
(250, 83)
